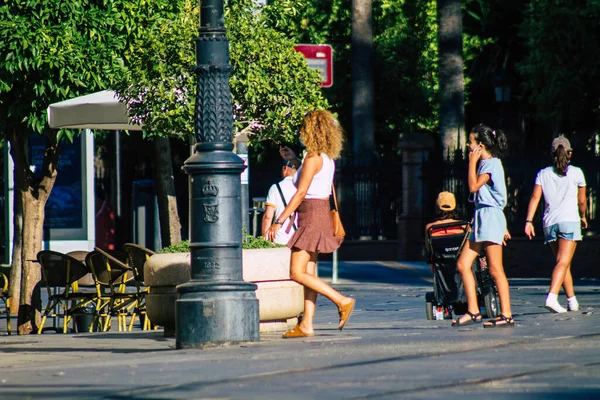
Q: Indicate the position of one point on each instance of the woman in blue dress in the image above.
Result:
(488, 190)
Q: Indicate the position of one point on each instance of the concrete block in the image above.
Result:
(280, 299)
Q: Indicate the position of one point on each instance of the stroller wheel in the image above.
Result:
(429, 306)
(491, 300)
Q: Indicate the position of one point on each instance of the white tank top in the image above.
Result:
(320, 187)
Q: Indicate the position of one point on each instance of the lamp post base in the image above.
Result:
(216, 313)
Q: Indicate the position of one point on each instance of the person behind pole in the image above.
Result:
(563, 187)
(277, 199)
(322, 136)
(488, 188)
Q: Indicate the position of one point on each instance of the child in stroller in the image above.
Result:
(444, 240)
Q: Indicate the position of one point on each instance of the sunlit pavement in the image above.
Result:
(388, 350)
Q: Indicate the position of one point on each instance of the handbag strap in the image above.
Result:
(334, 198)
(285, 203)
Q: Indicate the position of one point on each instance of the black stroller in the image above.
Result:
(445, 243)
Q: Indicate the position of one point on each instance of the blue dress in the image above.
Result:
(489, 223)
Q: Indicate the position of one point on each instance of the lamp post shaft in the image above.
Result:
(216, 306)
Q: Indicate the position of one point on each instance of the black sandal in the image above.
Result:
(505, 322)
(475, 319)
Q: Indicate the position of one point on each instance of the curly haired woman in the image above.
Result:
(322, 136)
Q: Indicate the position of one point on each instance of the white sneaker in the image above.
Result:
(572, 304)
(554, 307)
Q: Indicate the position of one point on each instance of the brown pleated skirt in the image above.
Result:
(315, 231)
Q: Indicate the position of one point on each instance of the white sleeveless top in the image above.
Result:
(320, 187)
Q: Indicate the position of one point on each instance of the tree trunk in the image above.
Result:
(363, 127)
(170, 226)
(30, 304)
(30, 200)
(452, 97)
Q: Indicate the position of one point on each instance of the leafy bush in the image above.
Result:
(259, 242)
(181, 247)
(251, 242)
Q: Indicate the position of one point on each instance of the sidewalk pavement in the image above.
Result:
(387, 351)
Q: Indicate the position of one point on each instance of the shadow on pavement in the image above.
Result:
(84, 350)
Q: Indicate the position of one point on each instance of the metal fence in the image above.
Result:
(369, 200)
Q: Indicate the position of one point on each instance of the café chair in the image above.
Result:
(4, 296)
(136, 257)
(111, 276)
(62, 272)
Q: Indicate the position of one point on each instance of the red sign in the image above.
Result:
(319, 56)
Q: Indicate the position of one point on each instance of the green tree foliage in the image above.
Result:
(271, 85)
(52, 50)
(405, 58)
(322, 22)
(490, 34)
(160, 82)
(561, 64)
(406, 48)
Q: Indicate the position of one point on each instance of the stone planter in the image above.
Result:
(281, 300)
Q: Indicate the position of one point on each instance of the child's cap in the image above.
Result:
(561, 140)
(446, 201)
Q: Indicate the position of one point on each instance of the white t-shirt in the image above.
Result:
(560, 194)
(320, 187)
(274, 200)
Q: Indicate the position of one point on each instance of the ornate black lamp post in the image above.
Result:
(216, 306)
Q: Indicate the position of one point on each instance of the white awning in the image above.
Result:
(101, 110)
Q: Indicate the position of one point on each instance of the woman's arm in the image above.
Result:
(476, 182)
(267, 218)
(287, 154)
(582, 204)
(533, 204)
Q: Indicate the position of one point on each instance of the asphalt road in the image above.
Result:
(387, 351)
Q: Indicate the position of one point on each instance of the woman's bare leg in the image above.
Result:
(568, 283)
(301, 273)
(310, 298)
(494, 260)
(464, 265)
(563, 251)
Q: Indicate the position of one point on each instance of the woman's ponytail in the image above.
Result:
(501, 143)
(561, 160)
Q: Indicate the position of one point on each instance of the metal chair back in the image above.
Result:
(137, 256)
(107, 270)
(59, 269)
